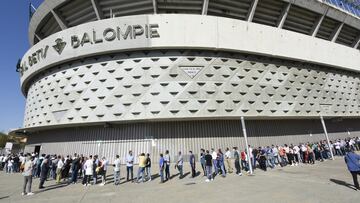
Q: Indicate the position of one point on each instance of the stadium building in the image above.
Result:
(106, 76)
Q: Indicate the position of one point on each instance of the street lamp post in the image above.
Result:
(326, 135)
(246, 144)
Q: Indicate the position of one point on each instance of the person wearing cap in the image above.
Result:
(352, 161)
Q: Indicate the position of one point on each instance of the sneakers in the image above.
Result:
(23, 193)
(30, 193)
(240, 174)
(207, 180)
(212, 179)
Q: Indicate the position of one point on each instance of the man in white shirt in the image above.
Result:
(88, 166)
(129, 166)
(228, 160)
(59, 167)
(296, 151)
(214, 156)
(117, 170)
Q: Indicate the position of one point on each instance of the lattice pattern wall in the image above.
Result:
(184, 84)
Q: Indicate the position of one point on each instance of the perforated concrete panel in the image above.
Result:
(187, 85)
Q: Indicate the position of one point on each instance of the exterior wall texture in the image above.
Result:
(188, 84)
(156, 137)
(181, 82)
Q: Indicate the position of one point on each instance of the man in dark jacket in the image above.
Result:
(75, 168)
(44, 171)
(192, 164)
(353, 163)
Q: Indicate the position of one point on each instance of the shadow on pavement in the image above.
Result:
(52, 187)
(4, 197)
(343, 183)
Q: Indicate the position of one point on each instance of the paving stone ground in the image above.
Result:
(327, 181)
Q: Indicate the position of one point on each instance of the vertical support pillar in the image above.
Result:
(327, 137)
(205, 7)
(246, 143)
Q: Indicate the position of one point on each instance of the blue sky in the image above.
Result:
(14, 22)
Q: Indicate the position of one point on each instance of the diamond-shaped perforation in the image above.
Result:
(143, 86)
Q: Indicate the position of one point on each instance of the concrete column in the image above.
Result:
(252, 11)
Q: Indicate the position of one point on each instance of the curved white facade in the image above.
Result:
(120, 73)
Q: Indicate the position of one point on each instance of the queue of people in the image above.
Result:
(68, 169)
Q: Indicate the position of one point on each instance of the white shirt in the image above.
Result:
(105, 164)
(214, 155)
(180, 161)
(22, 160)
(129, 160)
(287, 150)
(88, 167)
(60, 164)
(117, 165)
(228, 155)
(250, 152)
(296, 149)
(275, 151)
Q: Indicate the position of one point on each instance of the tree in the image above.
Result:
(3, 139)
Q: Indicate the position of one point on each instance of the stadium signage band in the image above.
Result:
(110, 34)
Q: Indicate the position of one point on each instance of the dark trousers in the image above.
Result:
(74, 175)
(86, 179)
(129, 171)
(237, 167)
(42, 181)
(203, 167)
(355, 178)
(193, 172)
(167, 172)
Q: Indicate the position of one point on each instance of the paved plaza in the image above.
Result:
(328, 181)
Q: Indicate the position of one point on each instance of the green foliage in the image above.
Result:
(3, 139)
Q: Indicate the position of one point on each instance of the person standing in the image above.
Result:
(214, 160)
(202, 160)
(96, 169)
(103, 169)
(167, 165)
(88, 166)
(179, 165)
(75, 168)
(237, 161)
(352, 161)
(161, 168)
(148, 167)
(228, 160)
(141, 170)
(209, 164)
(54, 163)
(130, 166)
(59, 168)
(28, 167)
(44, 171)
(220, 160)
(192, 164)
(117, 170)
